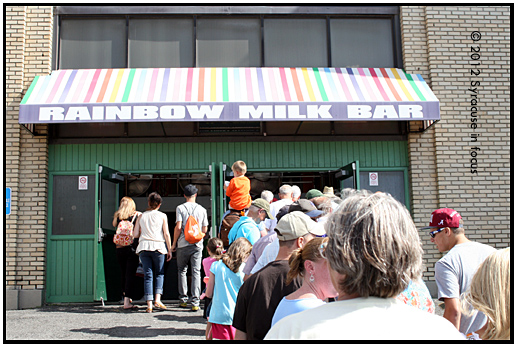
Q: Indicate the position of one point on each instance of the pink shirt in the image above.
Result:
(207, 262)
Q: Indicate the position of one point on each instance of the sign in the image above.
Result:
(373, 179)
(83, 183)
(233, 111)
(7, 201)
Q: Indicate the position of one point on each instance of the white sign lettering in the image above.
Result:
(228, 112)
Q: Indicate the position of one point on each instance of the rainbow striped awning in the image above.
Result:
(228, 94)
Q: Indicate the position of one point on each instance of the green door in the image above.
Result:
(213, 200)
(107, 277)
(71, 238)
(349, 176)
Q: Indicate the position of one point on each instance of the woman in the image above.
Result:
(154, 245)
(372, 253)
(126, 256)
(489, 293)
(316, 287)
(225, 280)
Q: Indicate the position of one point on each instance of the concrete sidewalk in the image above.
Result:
(85, 321)
(95, 322)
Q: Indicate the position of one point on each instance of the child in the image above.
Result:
(238, 189)
(225, 280)
(215, 250)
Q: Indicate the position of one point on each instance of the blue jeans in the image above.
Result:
(153, 264)
(183, 255)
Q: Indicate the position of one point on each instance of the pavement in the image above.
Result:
(85, 321)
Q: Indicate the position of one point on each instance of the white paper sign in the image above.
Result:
(373, 179)
(83, 183)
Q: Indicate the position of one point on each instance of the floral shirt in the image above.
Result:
(417, 295)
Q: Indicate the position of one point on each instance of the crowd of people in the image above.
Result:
(320, 267)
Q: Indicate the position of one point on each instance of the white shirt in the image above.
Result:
(151, 232)
(371, 318)
(274, 210)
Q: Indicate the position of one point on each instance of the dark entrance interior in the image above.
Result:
(170, 187)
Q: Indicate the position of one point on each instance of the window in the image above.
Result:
(73, 209)
(232, 42)
(160, 43)
(295, 43)
(362, 43)
(93, 43)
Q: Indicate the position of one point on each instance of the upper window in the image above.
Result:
(232, 41)
(93, 44)
(160, 43)
(362, 43)
(295, 42)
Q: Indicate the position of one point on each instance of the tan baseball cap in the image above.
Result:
(297, 224)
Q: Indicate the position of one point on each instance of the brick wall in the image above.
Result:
(421, 146)
(483, 199)
(28, 53)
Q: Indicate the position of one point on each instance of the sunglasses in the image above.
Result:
(322, 250)
(433, 233)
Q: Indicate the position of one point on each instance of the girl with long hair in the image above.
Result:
(225, 280)
(126, 256)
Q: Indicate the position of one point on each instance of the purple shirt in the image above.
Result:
(257, 250)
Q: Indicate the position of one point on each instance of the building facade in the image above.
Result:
(461, 161)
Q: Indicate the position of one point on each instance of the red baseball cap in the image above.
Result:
(444, 217)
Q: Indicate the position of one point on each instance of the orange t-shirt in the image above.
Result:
(239, 192)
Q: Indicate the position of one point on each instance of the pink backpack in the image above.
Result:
(124, 234)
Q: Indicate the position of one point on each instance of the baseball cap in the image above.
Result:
(263, 204)
(305, 206)
(297, 224)
(190, 190)
(444, 217)
(313, 193)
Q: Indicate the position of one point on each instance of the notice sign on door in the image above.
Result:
(83, 183)
(373, 179)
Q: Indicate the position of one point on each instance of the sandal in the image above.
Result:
(130, 308)
(160, 305)
(149, 310)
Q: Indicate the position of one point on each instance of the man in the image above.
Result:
(453, 272)
(270, 251)
(260, 295)
(246, 226)
(186, 252)
(295, 193)
(372, 252)
(285, 198)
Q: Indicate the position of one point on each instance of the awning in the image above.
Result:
(228, 94)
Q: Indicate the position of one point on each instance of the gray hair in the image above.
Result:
(285, 190)
(267, 195)
(296, 192)
(346, 192)
(326, 206)
(374, 244)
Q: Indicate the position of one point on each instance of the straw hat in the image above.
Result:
(328, 191)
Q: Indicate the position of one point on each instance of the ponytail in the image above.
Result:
(296, 266)
(310, 252)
